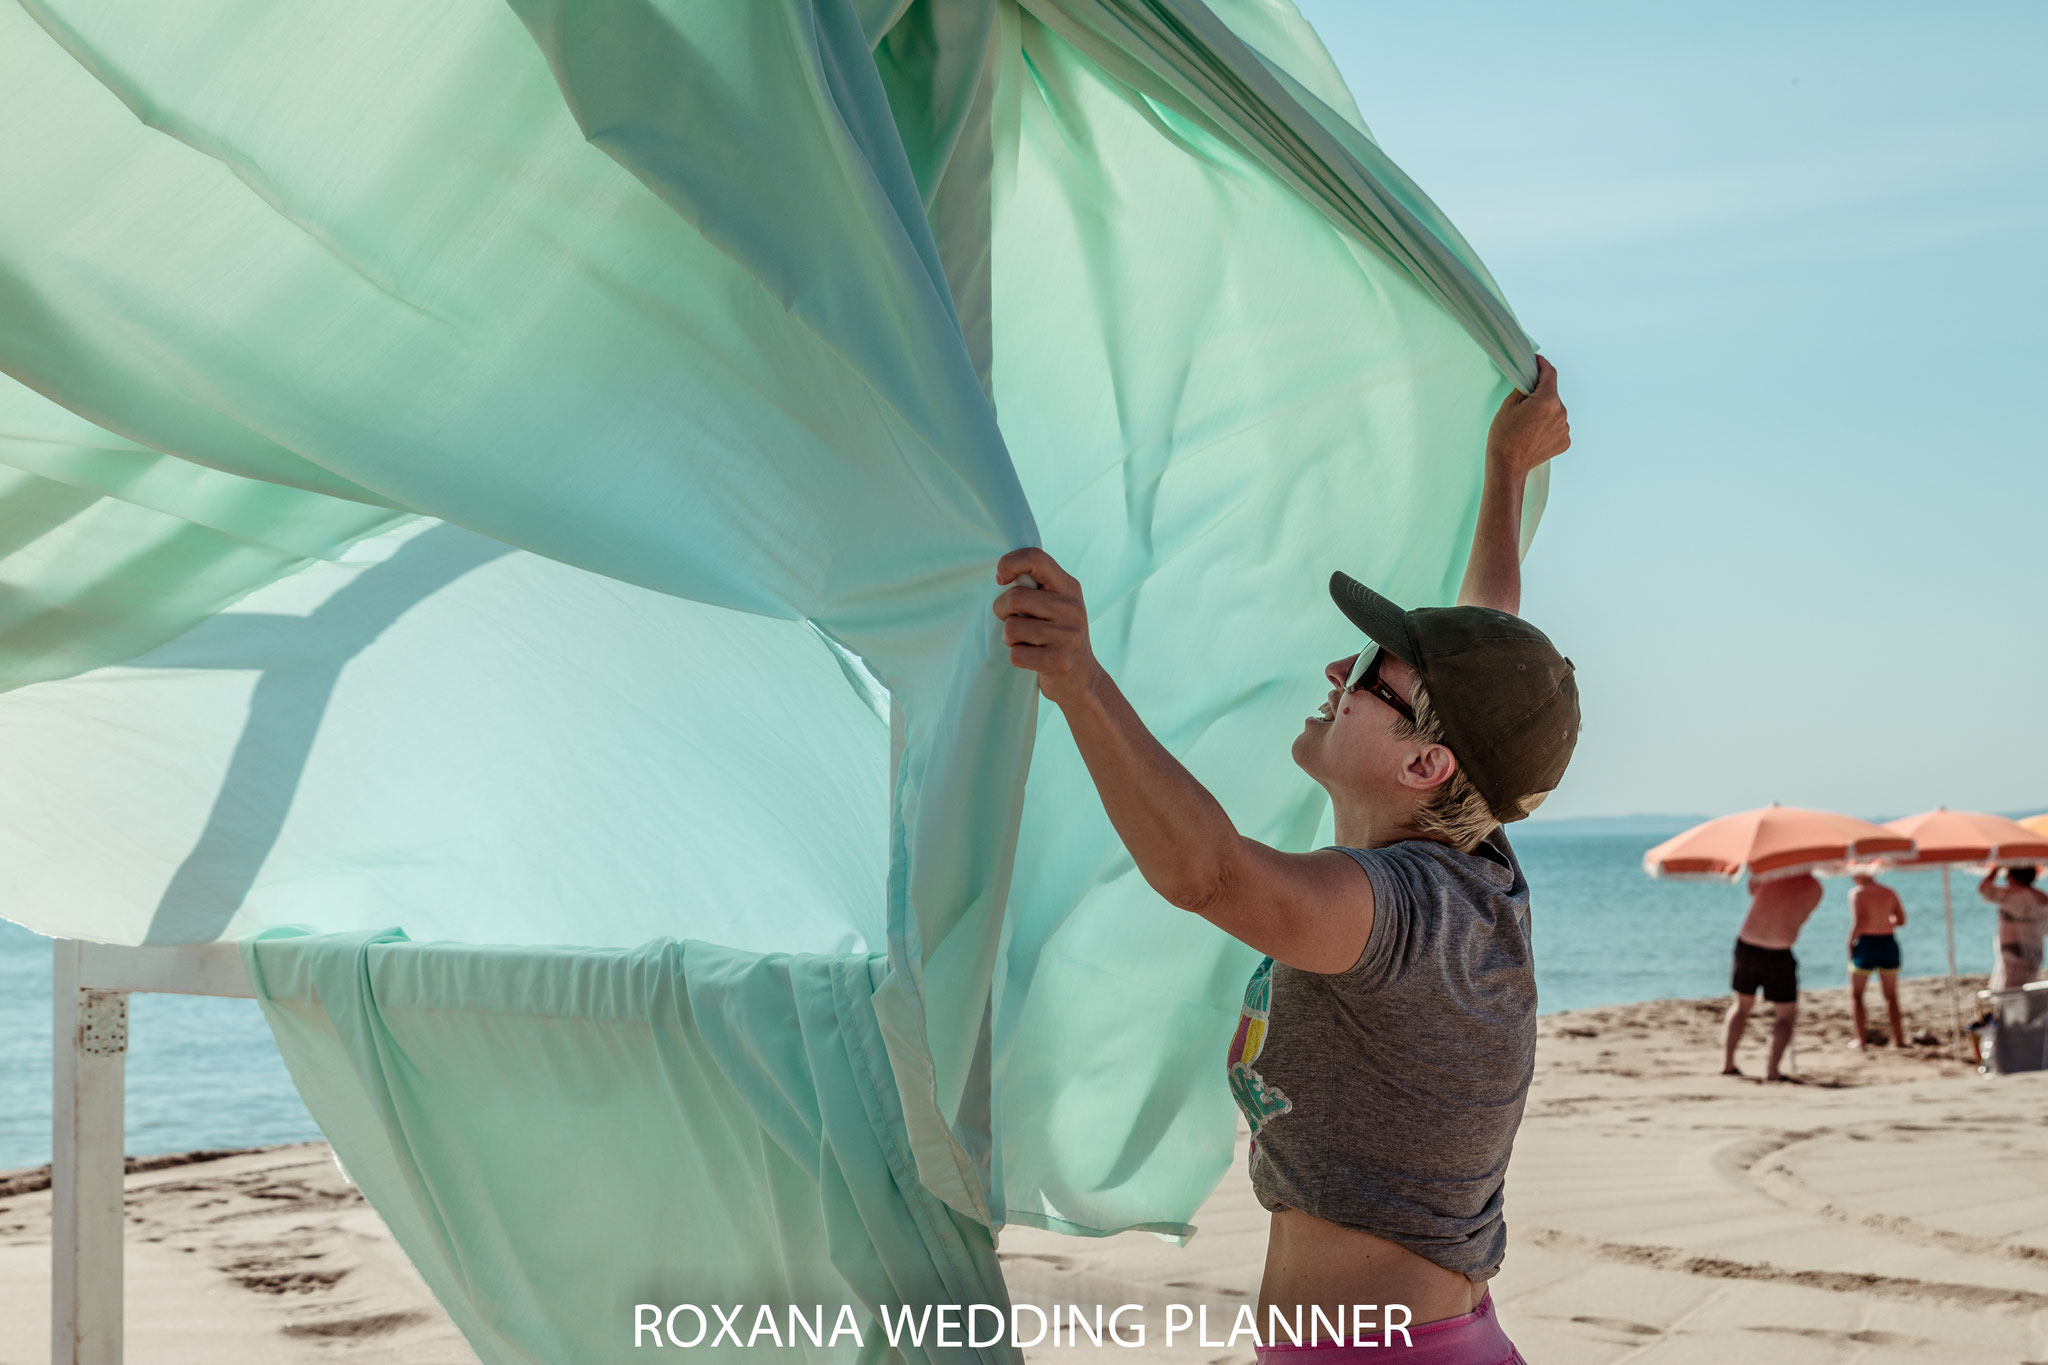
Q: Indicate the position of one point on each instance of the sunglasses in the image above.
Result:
(1365, 677)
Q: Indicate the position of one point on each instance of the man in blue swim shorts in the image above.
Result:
(1875, 912)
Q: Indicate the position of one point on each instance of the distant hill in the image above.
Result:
(1640, 826)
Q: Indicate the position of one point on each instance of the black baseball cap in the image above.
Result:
(1504, 695)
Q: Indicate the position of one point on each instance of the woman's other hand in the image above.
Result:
(1530, 428)
(1046, 625)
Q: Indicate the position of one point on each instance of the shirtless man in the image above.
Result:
(1763, 959)
(1874, 912)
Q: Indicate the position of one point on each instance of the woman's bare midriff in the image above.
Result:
(1314, 1264)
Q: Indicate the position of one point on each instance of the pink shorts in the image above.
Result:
(1474, 1339)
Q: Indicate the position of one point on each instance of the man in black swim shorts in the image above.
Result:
(1778, 907)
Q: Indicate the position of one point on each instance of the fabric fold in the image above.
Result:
(643, 85)
(108, 548)
(1182, 51)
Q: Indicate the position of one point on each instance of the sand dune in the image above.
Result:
(1890, 1207)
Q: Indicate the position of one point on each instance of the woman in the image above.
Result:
(2022, 915)
(1387, 1042)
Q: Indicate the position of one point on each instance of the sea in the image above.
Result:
(204, 1073)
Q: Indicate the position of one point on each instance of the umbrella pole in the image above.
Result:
(1948, 915)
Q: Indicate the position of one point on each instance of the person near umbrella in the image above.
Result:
(2022, 916)
(1875, 911)
(1778, 909)
(1387, 1041)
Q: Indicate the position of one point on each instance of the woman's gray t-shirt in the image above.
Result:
(1386, 1097)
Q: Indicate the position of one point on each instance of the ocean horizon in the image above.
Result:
(204, 1073)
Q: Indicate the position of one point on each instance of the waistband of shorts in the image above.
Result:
(1742, 943)
(1473, 1338)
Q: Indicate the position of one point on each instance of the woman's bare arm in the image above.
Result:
(1529, 429)
(1308, 910)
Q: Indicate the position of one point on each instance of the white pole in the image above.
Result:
(86, 1169)
(1948, 914)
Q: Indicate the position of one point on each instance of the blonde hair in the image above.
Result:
(1455, 814)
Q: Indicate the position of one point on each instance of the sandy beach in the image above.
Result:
(1889, 1207)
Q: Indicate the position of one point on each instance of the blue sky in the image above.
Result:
(1792, 264)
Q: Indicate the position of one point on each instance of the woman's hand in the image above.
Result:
(1046, 627)
(1530, 427)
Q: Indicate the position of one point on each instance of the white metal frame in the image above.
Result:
(93, 982)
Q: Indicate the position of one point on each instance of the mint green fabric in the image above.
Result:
(378, 237)
(585, 434)
(571, 1187)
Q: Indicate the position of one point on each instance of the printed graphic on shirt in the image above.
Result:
(1259, 1101)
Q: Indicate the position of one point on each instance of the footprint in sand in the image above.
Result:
(1640, 1329)
(373, 1325)
(1866, 1337)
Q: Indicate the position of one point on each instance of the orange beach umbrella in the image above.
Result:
(1942, 835)
(1776, 841)
(2036, 823)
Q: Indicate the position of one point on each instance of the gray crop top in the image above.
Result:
(1386, 1097)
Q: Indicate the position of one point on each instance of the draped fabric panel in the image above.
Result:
(625, 1153)
(531, 474)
